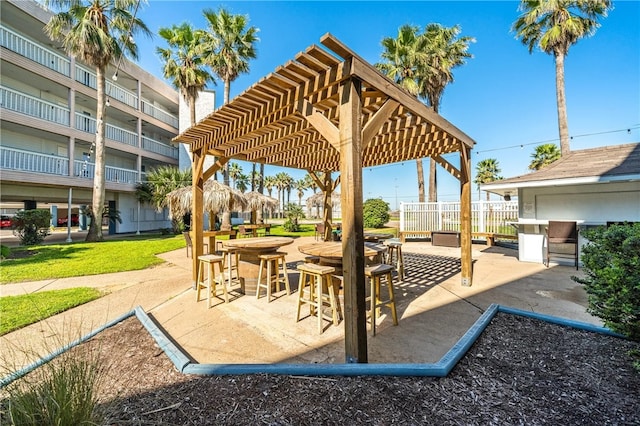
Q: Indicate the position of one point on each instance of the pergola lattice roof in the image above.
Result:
(273, 121)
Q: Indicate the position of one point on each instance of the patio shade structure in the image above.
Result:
(329, 110)
(257, 202)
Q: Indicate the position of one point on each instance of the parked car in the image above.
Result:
(75, 221)
(5, 221)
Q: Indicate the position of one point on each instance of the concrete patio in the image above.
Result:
(434, 309)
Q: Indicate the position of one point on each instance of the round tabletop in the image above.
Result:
(333, 249)
(258, 243)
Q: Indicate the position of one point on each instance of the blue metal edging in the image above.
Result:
(440, 369)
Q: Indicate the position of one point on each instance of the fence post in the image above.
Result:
(439, 215)
(481, 223)
(401, 217)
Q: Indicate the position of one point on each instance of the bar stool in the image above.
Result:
(230, 264)
(208, 262)
(395, 249)
(276, 269)
(375, 273)
(316, 289)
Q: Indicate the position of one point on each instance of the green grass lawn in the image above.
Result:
(20, 311)
(83, 259)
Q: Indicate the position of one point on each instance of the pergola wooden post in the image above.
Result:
(350, 141)
(333, 112)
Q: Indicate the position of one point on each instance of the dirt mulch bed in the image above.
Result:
(520, 371)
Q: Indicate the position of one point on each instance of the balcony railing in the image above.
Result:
(35, 52)
(161, 115)
(34, 107)
(159, 148)
(113, 91)
(88, 124)
(17, 159)
(87, 170)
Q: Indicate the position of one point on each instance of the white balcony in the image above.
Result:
(159, 147)
(85, 169)
(31, 50)
(161, 115)
(113, 91)
(115, 133)
(17, 159)
(34, 107)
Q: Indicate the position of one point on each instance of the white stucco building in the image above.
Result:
(591, 187)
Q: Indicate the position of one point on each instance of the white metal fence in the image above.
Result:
(486, 217)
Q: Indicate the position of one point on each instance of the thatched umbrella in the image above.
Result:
(216, 197)
(317, 200)
(256, 202)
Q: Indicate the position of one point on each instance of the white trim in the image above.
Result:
(494, 186)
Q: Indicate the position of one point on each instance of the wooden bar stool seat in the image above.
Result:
(276, 266)
(316, 289)
(375, 273)
(230, 264)
(394, 254)
(209, 262)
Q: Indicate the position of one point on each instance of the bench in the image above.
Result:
(491, 237)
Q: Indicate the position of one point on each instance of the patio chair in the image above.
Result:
(187, 239)
(562, 234)
(319, 231)
(244, 232)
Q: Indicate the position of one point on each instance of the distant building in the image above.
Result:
(590, 186)
(48, 126)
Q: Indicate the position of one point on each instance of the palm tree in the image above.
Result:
(98, 33)
(487, 171)
(227, 47)
(160, 182)
(183, 65)
(554, 26)
(300, 185)
(422, 64)
(255, 178)
(444, 50)
(400, 63)
(544, 155)
(242, 182)
(269, 184)
(310, 183)
(235, 171)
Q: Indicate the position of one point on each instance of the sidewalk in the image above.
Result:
(434, 309)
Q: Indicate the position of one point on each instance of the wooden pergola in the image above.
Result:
(329, 110)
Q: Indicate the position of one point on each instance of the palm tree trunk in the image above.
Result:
(97, 205)
(563, 125)
(420, 180)
(433, 181)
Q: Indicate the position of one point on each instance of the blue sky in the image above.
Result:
(503, 97)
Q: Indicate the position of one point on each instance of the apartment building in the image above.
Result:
(48, 125)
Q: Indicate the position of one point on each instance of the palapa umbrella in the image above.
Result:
(317, 200)
(256, 202)
(216, 197)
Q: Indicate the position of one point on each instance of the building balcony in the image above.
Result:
(28, 161)
(85, 169)
(34, 107)
(159, 148)
(33, 51)
(115, 133)
(159, 114)
(113, 91)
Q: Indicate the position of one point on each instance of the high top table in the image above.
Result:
(249, 263)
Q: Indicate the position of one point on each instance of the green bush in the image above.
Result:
(375, 213)
(32, 226)
(294, 214)
(611, 262)
(4, 252)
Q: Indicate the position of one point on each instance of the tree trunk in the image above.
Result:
(433, 181)
(420, 180)
(563, 125)
(97, 206)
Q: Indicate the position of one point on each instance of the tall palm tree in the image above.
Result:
(183, 65)
(487, 171)
(554, 26)
(544, 155)
(422, 64)
(242, 182)
(160, 182)
(235, 171)
(228, 46)
(269, 184)
(400, 62)
(444, 50)
(255, 178)
(300, 185)
(311, 184)
(97, 32)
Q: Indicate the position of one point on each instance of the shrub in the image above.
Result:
(4, 252)
(31, 226)
(375, 213)
(294, 213)
(611, 262)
